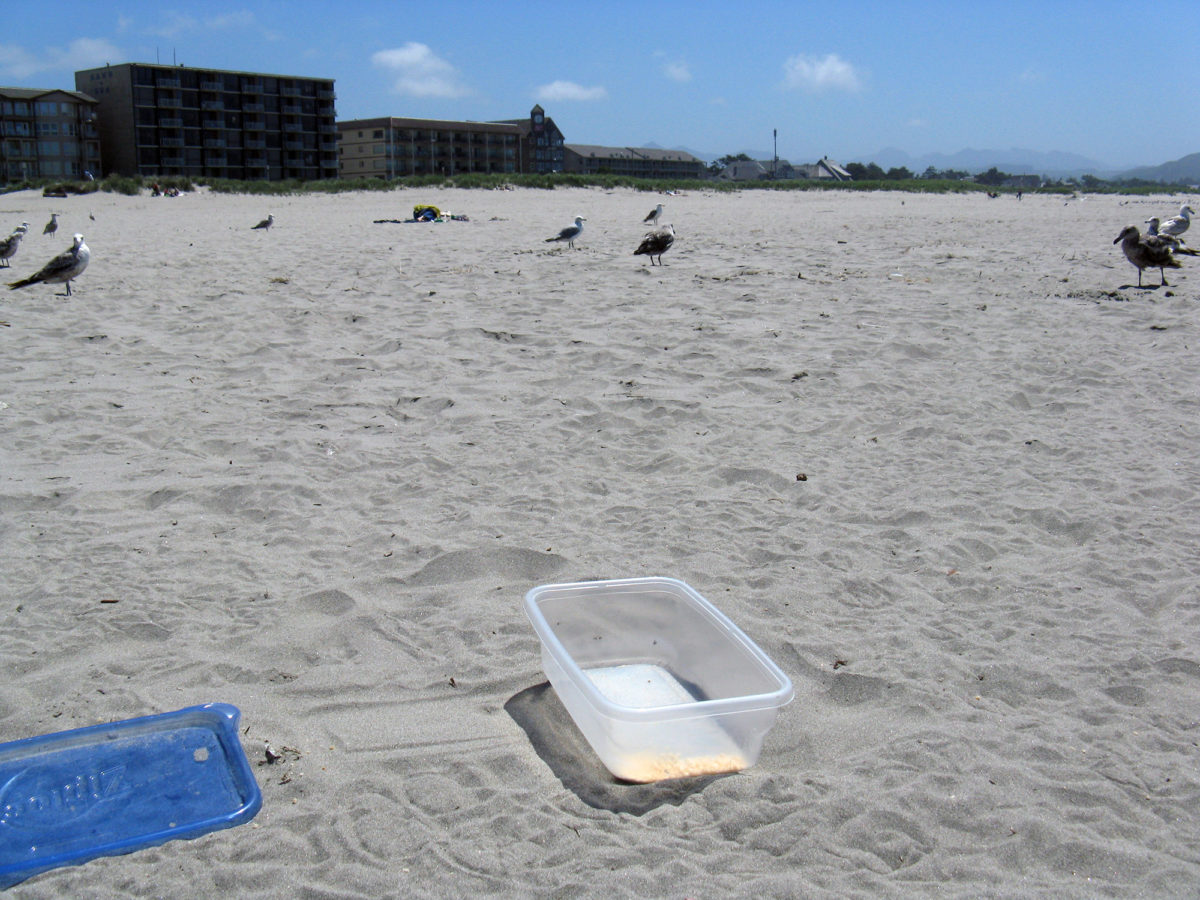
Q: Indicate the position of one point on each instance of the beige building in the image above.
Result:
(47, 134)
(173, 120)
(634, 162)
(392, 147)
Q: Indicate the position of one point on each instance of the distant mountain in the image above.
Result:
(1015, 161)
(1179, 171)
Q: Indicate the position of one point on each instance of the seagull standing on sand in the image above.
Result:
(1176, 244)
(8, 246)
(67, 265)
(652, 218)
(656, 243)
(52, 225)
(569, 233)
(1147, 252)
(1177, 225)
(266, 223)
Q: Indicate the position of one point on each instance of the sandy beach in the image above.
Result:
(935, 454)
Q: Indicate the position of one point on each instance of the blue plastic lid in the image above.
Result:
(72, 796)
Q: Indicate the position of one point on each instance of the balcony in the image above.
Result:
(170, 103)
(213, 123)
(254, 144)
(170, 122)
(291, 92)
(254, 125)
(212, 105)
(216, 161)
(215, 143)
(293, 145)
(212, 85)
(167, 81)
(170, 142)
(328, 146)
(291, 109)
(326, 128)
(174, 161)
(252, 87)
(292, 126)
(253, 107)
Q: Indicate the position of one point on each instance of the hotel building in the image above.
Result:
(47, 134)
(391, 147)
(633, 162)
(157, 120)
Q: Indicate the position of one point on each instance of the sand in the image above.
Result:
(934, 454)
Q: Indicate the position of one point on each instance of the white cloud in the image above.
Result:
(569, 90)
(82, 53)
(419, 72)
(678, 71)
(176, 23)
(17, 63)
(240, 19)
(828, 73)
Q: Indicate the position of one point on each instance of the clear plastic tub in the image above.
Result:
(659, 681)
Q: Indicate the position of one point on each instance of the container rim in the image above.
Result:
(781, 696)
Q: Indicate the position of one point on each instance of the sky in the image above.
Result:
(1118, 83)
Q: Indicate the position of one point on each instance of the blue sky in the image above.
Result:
(1117, 82)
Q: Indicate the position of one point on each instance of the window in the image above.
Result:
(378, 133)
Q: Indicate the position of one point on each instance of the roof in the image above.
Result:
(181, 66)
(437, 124)
(745, 170)
(17, 93)
(597, 151)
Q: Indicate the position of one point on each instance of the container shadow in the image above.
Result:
(566, 751)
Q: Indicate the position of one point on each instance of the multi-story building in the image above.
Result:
(47, 134)
(159, 120)
(390, 147)
(541, 143)
(633, 162)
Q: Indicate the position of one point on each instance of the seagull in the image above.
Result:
(23, 228)
(67, 265)
(1176, 244)
(52, 225)
(8, 246)
(569, 233)
(652, 218)
(656, 243)
(1147, 252)
(1177, 225)
(266, 223)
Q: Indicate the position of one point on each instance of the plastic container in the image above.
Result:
(660, 683)
(72, 796)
